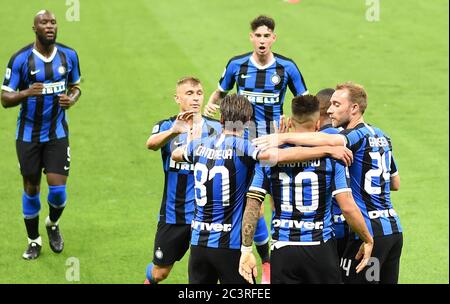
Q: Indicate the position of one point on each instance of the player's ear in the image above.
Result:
(274, 37)
(175, 97)
(355, 108)
(289, 123)
(317, 125)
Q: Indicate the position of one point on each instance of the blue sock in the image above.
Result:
(261, 234)
(57, 196)
(149, 274)
(31, 205)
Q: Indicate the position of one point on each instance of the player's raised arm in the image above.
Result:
(159, 139)
(308, 139)
(213, 103)
(299, 154)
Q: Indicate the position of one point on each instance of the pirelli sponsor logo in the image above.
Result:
(261, 98)
(54, 87)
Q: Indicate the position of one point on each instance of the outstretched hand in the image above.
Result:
(210, 109)
(182, 122)
(342, 154)
(268, 141)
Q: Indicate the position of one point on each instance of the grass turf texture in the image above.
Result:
(131, 55)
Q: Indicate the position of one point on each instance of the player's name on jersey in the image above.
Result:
(309, 163)
(181, 166)
(261, 98)
(378, 142)
(54, 87)
(283, 223)
(196, 225)
(214, 153)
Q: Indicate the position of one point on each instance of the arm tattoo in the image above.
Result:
(249, 221)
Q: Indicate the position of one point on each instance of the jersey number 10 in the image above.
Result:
(298, 186)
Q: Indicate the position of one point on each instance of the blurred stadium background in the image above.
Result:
(131, 55)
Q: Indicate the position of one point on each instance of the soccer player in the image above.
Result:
(43, 78)
(177, 205)
(223, 166)
(263, 77)
(373, 175)
(341, 229)
(303, 248)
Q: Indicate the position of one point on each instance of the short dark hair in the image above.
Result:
(324, 97)
(236, 111)
(261, 21)
(303, 107)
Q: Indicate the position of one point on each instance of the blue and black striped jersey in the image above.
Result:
(177, 205)
(371, 171)
(340, 227)
(302, 195)
(41, 118)
(264, 86)
(223, 166)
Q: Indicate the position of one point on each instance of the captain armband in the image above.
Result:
(256, 195)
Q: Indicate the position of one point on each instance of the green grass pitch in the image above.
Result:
(131, 55)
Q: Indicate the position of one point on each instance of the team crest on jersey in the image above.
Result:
(61, 70)
(8, 73)
(159, 254)
(275, 79)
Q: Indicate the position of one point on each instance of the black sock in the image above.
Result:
(263, 251)
(32, 226)
(55, 213)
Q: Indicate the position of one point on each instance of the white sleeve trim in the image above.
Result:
(7, 89)
(255, 154)
(221, 89)
(305, 93)
(394, 174)
(335, 192)
(252, 188)
(185, 156)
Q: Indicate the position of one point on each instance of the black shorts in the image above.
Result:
(342, 241)
(310, 264)
(52, 156)
(209, 265)
(171, 243)
(383, 268)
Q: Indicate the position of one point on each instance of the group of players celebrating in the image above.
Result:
(327, 172)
